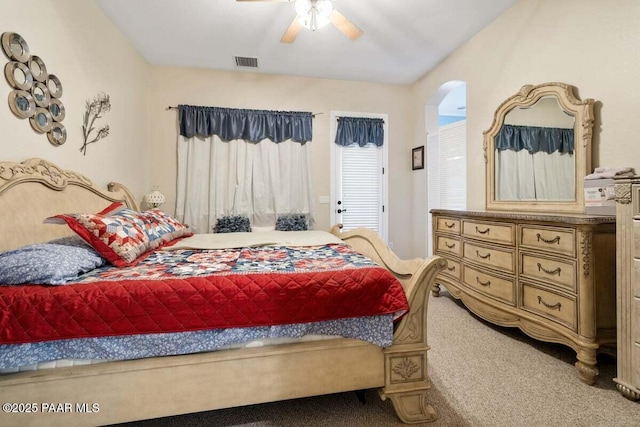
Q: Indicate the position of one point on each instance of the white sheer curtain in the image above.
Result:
(522, 175)
(259, 180)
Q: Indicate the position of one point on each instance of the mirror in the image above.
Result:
(18, 75)
(36, 93)
(41, 94)
(57, 110)
(22, 104)
(15, 47)
(54, 86)
(41, 121)
(58, 134)
(38, 69)
(538, 150)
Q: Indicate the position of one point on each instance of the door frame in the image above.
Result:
(333, 122)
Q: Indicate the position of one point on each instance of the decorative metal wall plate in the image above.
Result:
(15, 47)
(57, 110)
(18, 75)
(58, 134)
(22, 104)
(38, 69)
(54, 85)
(41, 121)
(41, 94)
(36, 93)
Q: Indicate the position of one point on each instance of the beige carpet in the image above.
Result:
(482, 375)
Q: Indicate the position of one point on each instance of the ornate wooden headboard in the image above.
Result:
(36, 189)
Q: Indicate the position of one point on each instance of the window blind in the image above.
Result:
(453, 165)
(361, 187)
(446, 172)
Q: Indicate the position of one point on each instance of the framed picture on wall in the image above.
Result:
(417, 158)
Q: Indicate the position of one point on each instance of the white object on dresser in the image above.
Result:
(627, 192)
(553, 276)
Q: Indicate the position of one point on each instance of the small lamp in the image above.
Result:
(154, 199)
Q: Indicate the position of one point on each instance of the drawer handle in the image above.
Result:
(550, 272)
(452, 268)
(549, 306)
(480, 282)
(485, 231)
(487, 256)
(446, 224)
(453, 245)
(552, 241)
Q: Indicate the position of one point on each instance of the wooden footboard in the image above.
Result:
(405, 367)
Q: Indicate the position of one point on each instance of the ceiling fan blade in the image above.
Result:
(347, 27)
(292, 32)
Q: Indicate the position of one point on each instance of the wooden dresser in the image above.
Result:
(553, 276)
(627, 192)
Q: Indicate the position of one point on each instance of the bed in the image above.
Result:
(152, 387)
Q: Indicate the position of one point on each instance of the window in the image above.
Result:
(447, 159)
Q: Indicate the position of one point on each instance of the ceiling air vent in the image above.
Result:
(246, 62)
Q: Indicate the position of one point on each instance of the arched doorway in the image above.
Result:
(446, 148)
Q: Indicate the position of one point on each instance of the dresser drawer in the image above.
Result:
(490, 284)
(636, 237)
(552, 305)
(448, 225)
(635, 280)
(452, 269)
(635, 362)
(450, 245)
(490, 256)
(550, 239)
(552, 270)
(489, 231)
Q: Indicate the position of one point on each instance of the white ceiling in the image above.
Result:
(402, 40)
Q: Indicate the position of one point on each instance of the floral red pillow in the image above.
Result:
(114, 233)
(162, 228)
(124, 236)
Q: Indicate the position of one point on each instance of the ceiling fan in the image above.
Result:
(315, 14)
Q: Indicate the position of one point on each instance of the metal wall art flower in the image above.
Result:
(96, 107)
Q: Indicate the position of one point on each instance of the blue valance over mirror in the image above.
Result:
(535, 139)
(248, 125)
(359, 130)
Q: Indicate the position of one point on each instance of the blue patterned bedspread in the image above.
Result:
(377, 330)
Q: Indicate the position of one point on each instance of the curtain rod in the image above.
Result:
(175, 108)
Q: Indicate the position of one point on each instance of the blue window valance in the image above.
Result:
(359, 130)
(249, 125)
(535, 139)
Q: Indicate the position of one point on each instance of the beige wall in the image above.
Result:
(587, 43)
(88, 54)
(591, 44)
(173, 86)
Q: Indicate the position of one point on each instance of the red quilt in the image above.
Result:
(98, 308)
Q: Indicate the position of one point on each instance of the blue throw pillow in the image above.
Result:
(232, 224)
(52, 263)
(292, 222)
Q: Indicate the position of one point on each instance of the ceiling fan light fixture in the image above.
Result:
(313, 14)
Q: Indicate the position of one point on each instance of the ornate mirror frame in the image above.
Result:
(582, 111)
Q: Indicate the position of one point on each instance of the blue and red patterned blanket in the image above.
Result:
(190, 290)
